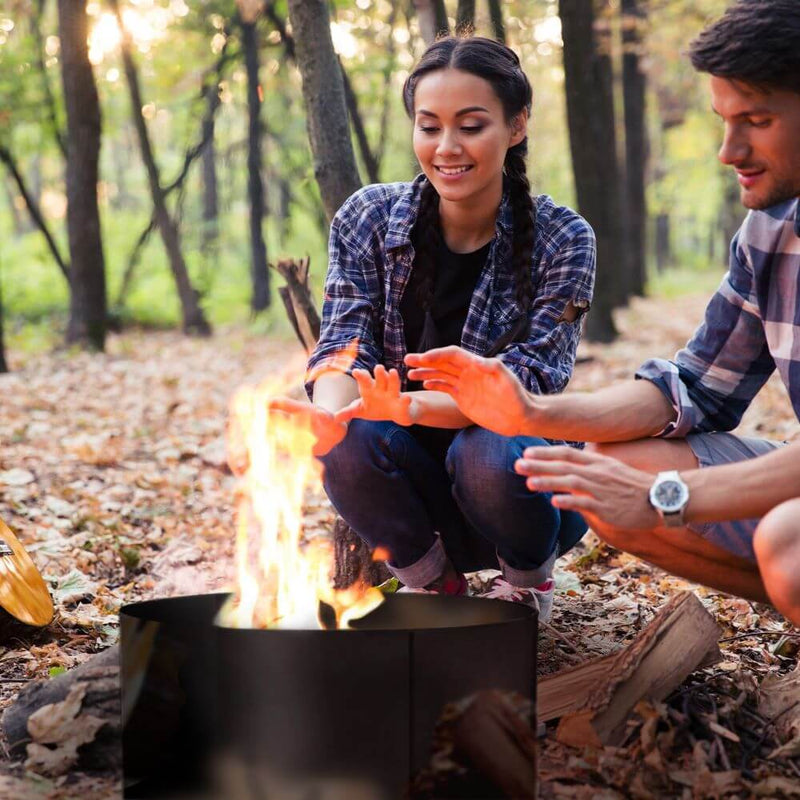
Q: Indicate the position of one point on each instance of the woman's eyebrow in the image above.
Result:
(468, 110)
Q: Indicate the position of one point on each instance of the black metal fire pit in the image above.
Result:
(214, 712)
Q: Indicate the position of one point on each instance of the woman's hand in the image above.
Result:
(484, 389)
(327, 430)
(381, 399)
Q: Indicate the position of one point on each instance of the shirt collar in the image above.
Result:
(404, 214)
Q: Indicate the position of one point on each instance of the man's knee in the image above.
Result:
(777, 546)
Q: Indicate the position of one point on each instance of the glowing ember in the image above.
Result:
(281, 577)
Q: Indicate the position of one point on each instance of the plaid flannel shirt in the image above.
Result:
(752, 326)
(370, 261)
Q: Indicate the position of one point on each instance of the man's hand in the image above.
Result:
(484, 389)
(327, 430)
(381, 398)
(608, 493)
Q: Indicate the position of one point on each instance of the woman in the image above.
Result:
(462, 255)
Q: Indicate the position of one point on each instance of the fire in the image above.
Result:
(281, 577)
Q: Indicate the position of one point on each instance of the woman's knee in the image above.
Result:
(364, 443)
(479, 460)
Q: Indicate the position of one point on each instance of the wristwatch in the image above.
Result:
(669, 496)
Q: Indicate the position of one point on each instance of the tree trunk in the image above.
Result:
(590, 114)
(663, 250)
(432, 19)
(3, 362)
(255, 188)
(326, 109)
(87, 313)
(465, 16)
(210, 192)
(194, 320)
(732, 212)
(357, 121)
(496, 16)
(633, 83)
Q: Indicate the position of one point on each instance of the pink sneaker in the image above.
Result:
(539, 597)
(455, 588)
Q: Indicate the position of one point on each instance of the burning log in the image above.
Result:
(682, 636)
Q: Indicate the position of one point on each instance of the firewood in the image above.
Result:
(498, 744)
(25, 601)
(569, 689)
(354, 561)
(682, 636)
(96, 682)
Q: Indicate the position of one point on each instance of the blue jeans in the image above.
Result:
(426, 494)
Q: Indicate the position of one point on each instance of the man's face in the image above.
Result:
(762, 140)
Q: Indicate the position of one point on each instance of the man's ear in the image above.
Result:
(519, 127)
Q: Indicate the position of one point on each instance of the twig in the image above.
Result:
(573, 656)
(755, 634)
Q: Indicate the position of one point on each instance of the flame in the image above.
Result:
(282, 578)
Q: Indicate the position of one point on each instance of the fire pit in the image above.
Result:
(216, 712)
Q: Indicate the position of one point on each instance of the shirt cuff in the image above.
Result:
(666, 376)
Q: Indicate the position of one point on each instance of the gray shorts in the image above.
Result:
(713, 449)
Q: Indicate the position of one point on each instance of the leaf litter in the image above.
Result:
(114, 477)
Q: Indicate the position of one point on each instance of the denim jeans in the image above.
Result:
(426, 494)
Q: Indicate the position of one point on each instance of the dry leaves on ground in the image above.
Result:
(112, 473)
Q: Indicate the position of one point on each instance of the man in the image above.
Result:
(697, 501)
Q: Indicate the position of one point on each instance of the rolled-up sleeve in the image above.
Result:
(352, 298)
(544, 362)
(711, 382)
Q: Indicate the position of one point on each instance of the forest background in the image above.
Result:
(157, 155)
(212, 177)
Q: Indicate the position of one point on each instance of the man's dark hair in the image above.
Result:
(756, 42)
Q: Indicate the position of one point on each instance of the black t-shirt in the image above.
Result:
(456, 277)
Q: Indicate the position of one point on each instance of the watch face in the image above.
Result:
(670, 495)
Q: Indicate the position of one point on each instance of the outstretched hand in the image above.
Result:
(381, 398)
(327, 431)
(484, 389)
(610, 494)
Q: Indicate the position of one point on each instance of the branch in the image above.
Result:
(210, 93)
(50, 101)
(33, 209)
(358, 127)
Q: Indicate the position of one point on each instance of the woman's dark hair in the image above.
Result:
(500, 67)
(754, 41)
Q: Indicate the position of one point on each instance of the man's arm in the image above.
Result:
(744, 490)
(489, 394)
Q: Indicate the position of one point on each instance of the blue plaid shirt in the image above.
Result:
(752, 327)
(370, 259)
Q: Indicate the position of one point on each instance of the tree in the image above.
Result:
(590, 115)
(248, 16)
(465, 16)
(633, 83)
(496, 16)
(194, 320)
(432, 19)
(326, 108)
(87, 319)
(3, 362)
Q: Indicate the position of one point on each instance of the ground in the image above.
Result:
(113, 475)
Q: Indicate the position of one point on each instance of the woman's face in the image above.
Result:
(461, 135)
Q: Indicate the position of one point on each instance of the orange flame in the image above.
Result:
(282, 577)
